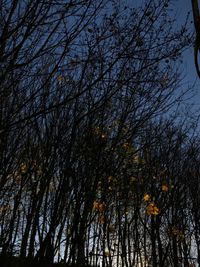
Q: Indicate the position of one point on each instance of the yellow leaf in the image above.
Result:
(152, 209)
(165, 188)
(103, 136)
(126, 145)
(106, 253)
(23, 168)
(146, 197)
(60, 78)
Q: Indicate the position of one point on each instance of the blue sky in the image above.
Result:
(193, 105)
(182, 7)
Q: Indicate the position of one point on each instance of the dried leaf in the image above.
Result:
(146, 197)
(152, 209)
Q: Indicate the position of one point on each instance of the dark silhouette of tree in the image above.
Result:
(89, 174)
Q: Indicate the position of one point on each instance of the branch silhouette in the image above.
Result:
(196, 17)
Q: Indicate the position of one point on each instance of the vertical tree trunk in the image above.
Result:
(160, 248)
(175, 252)
(153, 243)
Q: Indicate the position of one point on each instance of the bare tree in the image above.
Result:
(80, 84)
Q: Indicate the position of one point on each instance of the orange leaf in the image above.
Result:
(146, 197)
(152, 209)
(102, 219)
(96, 205)
(102, 207)
(165, 188)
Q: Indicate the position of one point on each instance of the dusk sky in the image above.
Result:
(190, 79)
(182, 7)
